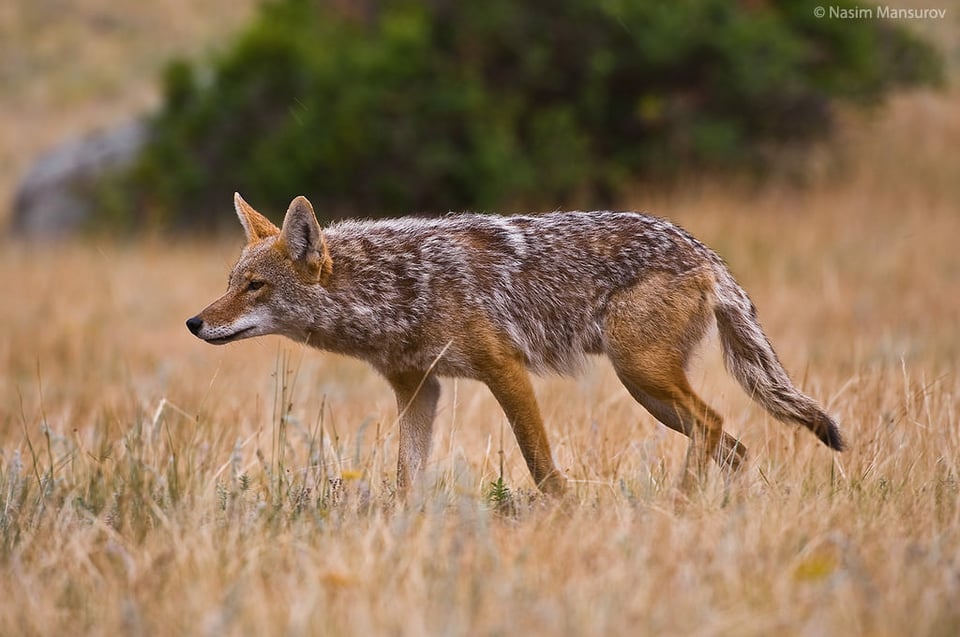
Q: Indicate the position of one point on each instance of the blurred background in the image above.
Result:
(148, 117)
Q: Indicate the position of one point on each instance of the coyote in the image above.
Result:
(491, 298)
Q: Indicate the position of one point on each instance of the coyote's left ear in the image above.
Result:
(302, 240)
(255, 225)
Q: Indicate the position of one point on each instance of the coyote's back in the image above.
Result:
(491, 297)
(542, 281)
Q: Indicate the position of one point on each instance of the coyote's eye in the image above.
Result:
(253, 286)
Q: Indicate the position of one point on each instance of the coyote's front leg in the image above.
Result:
(510, 384)
(417, 395)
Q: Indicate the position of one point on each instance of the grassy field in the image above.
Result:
(151, 484)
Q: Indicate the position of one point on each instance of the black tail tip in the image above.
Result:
(828, 432)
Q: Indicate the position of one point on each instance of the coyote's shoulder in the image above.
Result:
(491, 297)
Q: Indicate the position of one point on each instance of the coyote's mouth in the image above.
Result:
(223, 340)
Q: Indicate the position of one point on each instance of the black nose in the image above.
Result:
(194, 324)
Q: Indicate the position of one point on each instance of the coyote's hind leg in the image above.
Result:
(730, 454)
(650, 331)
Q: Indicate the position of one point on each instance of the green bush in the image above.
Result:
(411, 106)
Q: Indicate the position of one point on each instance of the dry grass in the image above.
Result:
(152, 484)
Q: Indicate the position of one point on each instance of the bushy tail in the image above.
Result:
(750, 358)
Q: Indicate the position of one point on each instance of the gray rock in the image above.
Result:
(54, 200)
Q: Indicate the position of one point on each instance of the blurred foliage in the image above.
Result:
(403, 106)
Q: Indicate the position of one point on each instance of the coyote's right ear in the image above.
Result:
(255, 225)
(301, 238)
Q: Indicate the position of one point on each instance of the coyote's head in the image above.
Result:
(271, 285)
